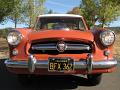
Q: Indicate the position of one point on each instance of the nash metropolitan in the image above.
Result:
(61, 44)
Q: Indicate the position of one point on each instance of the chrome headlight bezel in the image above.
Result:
(107, 37)
(14, 37)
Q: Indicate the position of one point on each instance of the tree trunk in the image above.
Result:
(30, 23)
(103, 23)
(15, 21)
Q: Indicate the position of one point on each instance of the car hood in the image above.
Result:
(61, 35)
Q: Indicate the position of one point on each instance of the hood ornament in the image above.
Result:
(61, 46)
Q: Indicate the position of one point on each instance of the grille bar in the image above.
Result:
(52, 46)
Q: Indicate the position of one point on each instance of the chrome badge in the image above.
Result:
(61, 46)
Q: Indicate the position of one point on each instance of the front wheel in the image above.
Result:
(94, 79)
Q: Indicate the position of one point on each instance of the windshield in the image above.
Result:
(58, 23)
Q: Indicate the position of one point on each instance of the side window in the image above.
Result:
(81, 25)
(38, 25)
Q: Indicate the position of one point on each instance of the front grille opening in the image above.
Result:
(56, 52)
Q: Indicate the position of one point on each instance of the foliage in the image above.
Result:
(32, 9)
(21, 11)
(75, 10)
(103, 11)
(6, 6)
(16, 14)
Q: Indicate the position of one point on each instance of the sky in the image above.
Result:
(59, 6)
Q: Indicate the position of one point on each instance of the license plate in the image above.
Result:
(61, 64)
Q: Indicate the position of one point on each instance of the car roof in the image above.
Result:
(60, 15)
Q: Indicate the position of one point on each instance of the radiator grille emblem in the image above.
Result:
(61, 46)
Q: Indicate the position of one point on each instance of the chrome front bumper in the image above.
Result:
(88, 64)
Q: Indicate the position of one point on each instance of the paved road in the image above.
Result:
(9, 81)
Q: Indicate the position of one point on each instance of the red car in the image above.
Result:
(61, 44)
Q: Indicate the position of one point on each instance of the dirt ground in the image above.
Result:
(3, 48)
(117, 46)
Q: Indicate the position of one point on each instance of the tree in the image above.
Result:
(50, 11)
(16, 14)
(103, 11)
(6, 7)
(75, 10)
(89, 11)
(33, 9)
(111, 12)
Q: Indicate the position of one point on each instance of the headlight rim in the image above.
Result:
(103, 33)
(19, 34)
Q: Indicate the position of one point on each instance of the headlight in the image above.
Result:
(14, 38)
(107, 37)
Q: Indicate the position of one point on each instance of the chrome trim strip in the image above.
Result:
(104, 64)
(52, 46)
(44, 48)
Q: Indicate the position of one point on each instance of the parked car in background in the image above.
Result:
(61, 44)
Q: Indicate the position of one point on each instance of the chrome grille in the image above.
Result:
(52, 46)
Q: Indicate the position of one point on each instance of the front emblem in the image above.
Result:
(61, 46)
